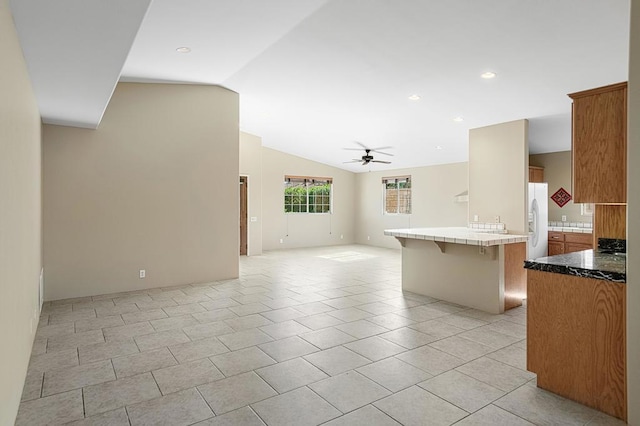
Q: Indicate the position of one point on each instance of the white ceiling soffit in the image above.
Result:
(223, 35)
(75, 50)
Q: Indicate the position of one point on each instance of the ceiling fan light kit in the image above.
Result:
(367, 157)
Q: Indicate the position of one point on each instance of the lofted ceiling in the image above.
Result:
(316, 75)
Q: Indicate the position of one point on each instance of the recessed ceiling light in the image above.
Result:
(183, 49)
(438, 147)
(414, 97)
(458, 119)
(487, 75)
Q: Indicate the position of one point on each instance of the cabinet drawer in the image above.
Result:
(556, 236)
(573, 247)
(579, 238)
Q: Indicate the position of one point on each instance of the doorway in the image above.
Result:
(243, 215)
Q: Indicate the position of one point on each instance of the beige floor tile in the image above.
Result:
(184, 376)
(98, 323)
(106, 311)
(391, 321)
(40, 346)
(375, 348)
(53, 360)
(365, 416)
(544, 408)
(337, 360)
(349, 391)
(107, 350)
(462, 391)
(319, 321)
(203, 348)
(247, 322)
(250, 309)
(285, 329)
(243, 416)
(510, 328)
(408, 337)
(241, 361)
(143, 316)
(462, 348)
(496, 374)
(181, 408)
(66, 379)
(173, 323)
(235, 392)
(327, 338)
(211, 329)
(71, 316)
(291, 347)
(175, 311)
(412, 406)
(126, 332)
(292, 374)
(244, 339)
(421, 313)
(155, 305)
(143, 362)
(301, 407)
(437, 328)
(394, 374)
(71, 341)
(118, 393)
(430, 360)
(32, 385)
(378, 308)
(46, 331)
(160, 339)
(350, 314)
(215, 315)
(212, 305)
(493, 416)
(361, 329)
(511, 355)
(111, 418)
(52, 410)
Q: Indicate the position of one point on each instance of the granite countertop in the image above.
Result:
(457, 235)
(587, 263)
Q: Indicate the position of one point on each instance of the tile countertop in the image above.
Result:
(457, 236)
(586, 263)
(570, 229)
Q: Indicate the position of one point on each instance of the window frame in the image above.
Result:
(309, 182)
(397, 180)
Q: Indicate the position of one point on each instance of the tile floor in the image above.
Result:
(303, 337)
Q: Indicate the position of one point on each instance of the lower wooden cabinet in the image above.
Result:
(568, 242)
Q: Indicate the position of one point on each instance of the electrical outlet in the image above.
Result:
(143, 273)
(475, 217)
(254, 219)
(497, 218)
(482, 250)
(368, 237)
(341, 237)
(564, 218)
(281, 241)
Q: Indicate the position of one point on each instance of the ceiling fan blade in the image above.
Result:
(381, 152)
(353, 149)
(352, 161)
(380, 161)
(361, 144)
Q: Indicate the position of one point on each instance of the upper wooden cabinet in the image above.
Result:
(599, 145)
(536, 174)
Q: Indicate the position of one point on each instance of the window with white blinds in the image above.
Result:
(396, 194)
(306, 194)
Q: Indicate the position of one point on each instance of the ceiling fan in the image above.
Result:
(367, 157)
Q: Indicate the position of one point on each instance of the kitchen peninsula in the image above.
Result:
(464, 266)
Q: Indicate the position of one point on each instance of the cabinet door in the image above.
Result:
(555, 248)
(599, 145)
(536, 174)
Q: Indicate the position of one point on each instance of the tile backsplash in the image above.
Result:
(488, 228)
(571, 224)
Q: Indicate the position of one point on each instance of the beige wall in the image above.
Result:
(155, 187)
(251, 166)
(20, 217)
(302, 229)
(498, 174)
(633, 224)
(433, 189)
(557, 172)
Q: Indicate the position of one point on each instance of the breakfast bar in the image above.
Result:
(464, 266)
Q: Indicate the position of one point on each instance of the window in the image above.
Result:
(397, 194)
(307, 194)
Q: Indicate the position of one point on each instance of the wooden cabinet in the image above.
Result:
(536, 174)
(568, 242)
(576, 339)
(599, 145)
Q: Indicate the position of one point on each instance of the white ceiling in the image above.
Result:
(316, 75)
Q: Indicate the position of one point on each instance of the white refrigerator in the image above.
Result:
(538, 220)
